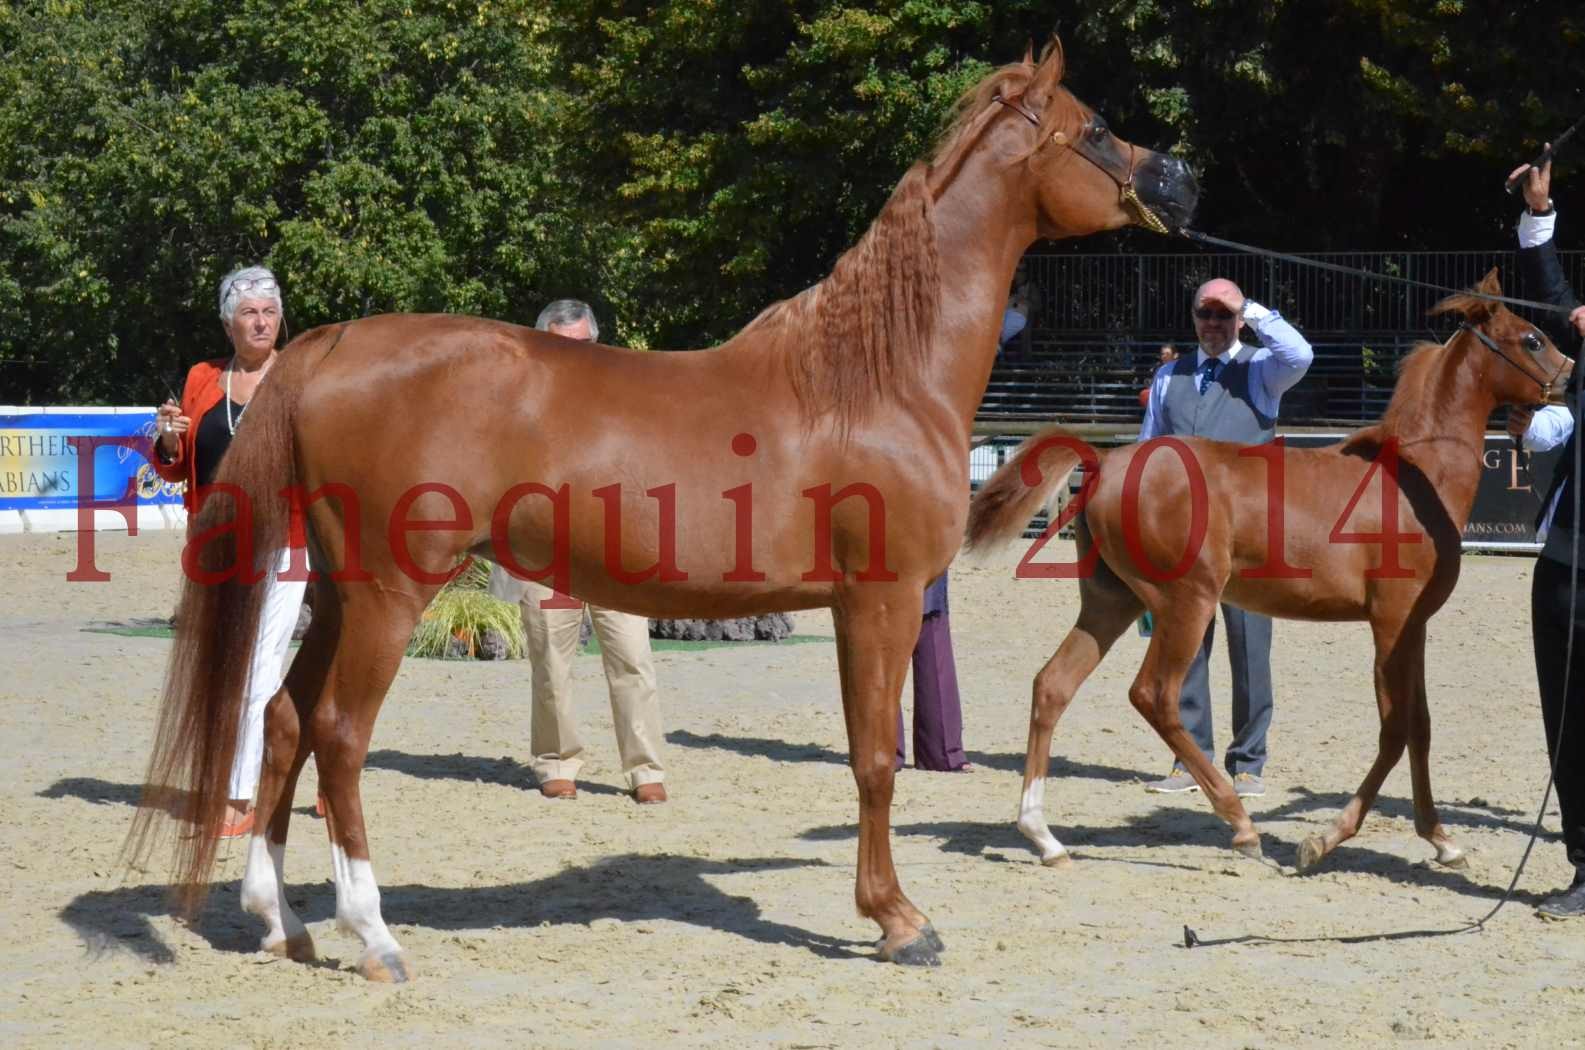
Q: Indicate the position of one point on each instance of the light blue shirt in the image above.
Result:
(1281, 361)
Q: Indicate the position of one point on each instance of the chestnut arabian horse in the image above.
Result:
(818, 459)
(1369, 529)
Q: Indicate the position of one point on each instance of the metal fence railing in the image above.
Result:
(1098, 322)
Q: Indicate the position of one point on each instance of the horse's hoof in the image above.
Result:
(386, 967)
(1251, 850)
(927, 931)
(1452, 857)
(916, 952)
(1062, 859)
(1311, 851)
(298, 949)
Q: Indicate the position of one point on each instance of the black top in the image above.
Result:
(214, 438)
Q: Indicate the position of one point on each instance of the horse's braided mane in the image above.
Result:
(862, 333)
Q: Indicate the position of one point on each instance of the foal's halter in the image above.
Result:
(1546, 386)
(1126, 193)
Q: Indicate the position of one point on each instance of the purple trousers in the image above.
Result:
(938, 713)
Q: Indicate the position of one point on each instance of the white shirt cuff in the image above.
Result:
(1535, 230)
(1253, 311)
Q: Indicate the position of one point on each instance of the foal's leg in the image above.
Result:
(876, 630)
(1107, 609)
(286, 748)
(376, 623)
(1154, 694)
(1398, 651)
(1426, 822)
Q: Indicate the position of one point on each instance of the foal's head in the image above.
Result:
(1519, 364)
(1083, 178)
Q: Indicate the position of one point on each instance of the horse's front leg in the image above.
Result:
(877, 626)
(1395, 691)
(1427, 824)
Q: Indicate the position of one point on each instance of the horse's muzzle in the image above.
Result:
(1557, 389)
(1168, 186)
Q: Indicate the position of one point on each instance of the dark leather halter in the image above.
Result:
(1546, 386)
(1125, 186)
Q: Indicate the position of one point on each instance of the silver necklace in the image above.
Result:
(231, 425)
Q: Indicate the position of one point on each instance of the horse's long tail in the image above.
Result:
(232, 544)
(1024, 484)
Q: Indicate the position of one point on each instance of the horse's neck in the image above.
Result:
(1441, 429)
(979, 241)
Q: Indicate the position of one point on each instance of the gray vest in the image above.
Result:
(1224, 412)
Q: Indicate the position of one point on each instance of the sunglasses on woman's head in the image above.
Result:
(1206, 313)
(253, 284)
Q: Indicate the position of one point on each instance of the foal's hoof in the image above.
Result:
(386, 967)
(1311, 851)
(1249, 849)
(927, 931)
(298, 949)
(1450, 856)
(917, 952)
(1062, 859)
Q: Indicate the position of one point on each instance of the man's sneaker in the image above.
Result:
(1570, 904)
(1175, 783)
(1248, 785)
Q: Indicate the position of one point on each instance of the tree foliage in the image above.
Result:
(680, 164)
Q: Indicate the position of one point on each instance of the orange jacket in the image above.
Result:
(202, 392)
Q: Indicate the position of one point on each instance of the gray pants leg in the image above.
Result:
(1194, 701)
(1249, 653)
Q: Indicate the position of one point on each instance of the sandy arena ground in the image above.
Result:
(726, 919)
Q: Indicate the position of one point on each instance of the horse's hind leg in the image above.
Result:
(1399, 650)
(1107, 608)
(286, 748)
(1154, 694)
(1426, 822)
(375, 626)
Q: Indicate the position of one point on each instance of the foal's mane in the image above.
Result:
(863, 331)
(1417, 374)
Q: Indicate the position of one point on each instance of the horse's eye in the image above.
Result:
(1532, 342)
(1098, 132)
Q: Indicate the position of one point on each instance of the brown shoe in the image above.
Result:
(649, 794)
(559, 789)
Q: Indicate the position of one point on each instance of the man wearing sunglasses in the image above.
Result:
(1228, 391)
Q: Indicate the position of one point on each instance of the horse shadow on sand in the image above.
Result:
(1164, 827)
(631, 887)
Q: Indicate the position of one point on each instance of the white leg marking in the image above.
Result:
(264, 892)
(358, 903)
(1032, 822)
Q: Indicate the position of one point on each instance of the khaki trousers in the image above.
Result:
(629, 674)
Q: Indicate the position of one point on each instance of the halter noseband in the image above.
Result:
(1126, 194)
(1491, 344)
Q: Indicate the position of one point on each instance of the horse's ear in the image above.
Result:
(1474, 308)
(1049, 73)
(1029, 52)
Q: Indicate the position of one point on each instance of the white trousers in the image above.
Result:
(282, 600)
(629, 674)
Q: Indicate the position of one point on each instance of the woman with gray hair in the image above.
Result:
(192, 438)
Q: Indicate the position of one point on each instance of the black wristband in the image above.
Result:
(1548, 210)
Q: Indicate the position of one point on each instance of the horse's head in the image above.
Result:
(1523, 367)
(1086, 179)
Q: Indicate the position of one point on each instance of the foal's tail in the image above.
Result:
(232, 544)
(1023, 485)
